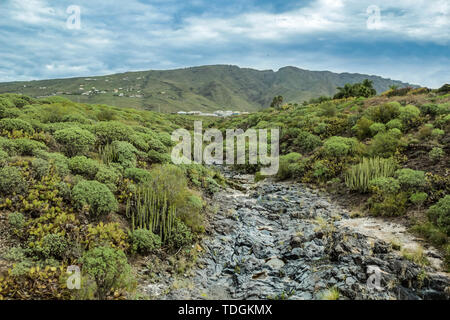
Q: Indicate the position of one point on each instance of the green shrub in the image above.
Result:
(3, 158)
(429, 108)
(15, 124)
(110, 131)
(409, 114)
(155, 144)
(144, 241)
(181, 235)
(11, 181)
(385, 112)
(27, 147)
(96, 195)
(307, 142)
(362, 128)
(377, 127)
(340, 146)
(284, 163)
(137, 175)
(75, 140)
(53, 246)
(384, 144)
(154, 156)
(384, 185)
(425, 131)
(418, 198)
(437, 133)
(321, 171)
(109, 269)
(57, 160)
(84, 166)
(436, 154)
(298, 169)
(358, 176)
(440, 214)
(411, 178)
(388, 205)
(41, 167)
(125, 153)
(320, 128)
(430, 232)
(109, 177)
(395, 124)
(16, 220)
(328, 109)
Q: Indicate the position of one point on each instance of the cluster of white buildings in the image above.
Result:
(218, 113)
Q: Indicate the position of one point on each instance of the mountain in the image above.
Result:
(205, 88)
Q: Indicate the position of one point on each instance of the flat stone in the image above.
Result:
(275, 263)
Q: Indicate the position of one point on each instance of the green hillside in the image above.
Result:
(205, 88)
(385, 156)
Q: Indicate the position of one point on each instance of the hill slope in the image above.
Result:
(203, 88)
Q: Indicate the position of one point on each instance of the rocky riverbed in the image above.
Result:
(286, 241)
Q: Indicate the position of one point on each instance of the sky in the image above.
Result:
(402, 40)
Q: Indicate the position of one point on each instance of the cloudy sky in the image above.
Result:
(403, 40)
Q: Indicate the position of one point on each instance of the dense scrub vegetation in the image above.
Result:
(387, 155)
(90, 185)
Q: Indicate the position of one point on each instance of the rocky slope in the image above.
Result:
(284, 240)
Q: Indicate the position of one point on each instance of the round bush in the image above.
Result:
(384, 144)
(41, 168)
(440, 214)
(110, 131)
(181, 235)
(57, 160)
(137, 175)
(16, 220)
(11, 180)
(377, 127)
(109, 269)
(154, 156)
(109, 177)
(436, 154)
(53, 246)
(96, 195)
(125, 153)
(307, 142)
(84, 166)
(27, 147)
(75, 140)
(395, 124)
(418, 198)
(3, 158)
(437, 133)
(284, 166)
(411, 178)
(409, 114)
(384, 185)
(340, 146)
(15, 124)
(144, 241)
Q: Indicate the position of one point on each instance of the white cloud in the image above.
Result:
(117, 36)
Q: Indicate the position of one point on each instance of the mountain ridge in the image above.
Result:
(203, 88)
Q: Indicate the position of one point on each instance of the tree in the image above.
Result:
(277, 102)
(364, 89)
